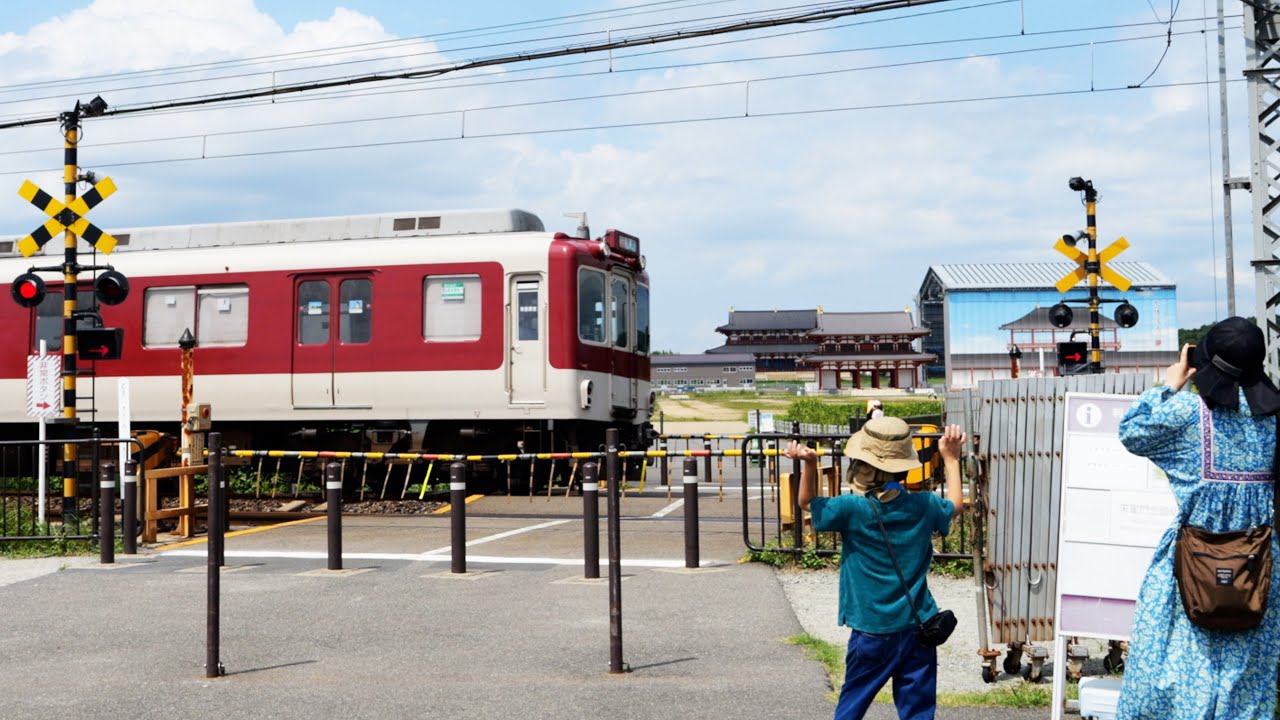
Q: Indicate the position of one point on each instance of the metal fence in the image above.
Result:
(32, 510)
(1017, 430)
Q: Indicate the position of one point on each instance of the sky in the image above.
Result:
(826, 164)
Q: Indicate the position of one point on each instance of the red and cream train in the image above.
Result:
(465, 331)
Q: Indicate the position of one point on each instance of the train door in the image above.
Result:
(526, 358)
(622, 381)
(332, 349)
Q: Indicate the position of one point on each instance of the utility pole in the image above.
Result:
(1262, 72)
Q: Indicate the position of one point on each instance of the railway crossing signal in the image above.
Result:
(1091, 265)
(66, 217)
(27, 290)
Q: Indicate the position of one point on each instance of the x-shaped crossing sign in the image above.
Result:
(66, 217)
(1069, 280)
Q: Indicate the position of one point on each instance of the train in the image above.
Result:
(469, 331)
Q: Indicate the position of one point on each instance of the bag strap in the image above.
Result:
(892, 556)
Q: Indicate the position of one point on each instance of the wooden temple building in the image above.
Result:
(843, 350)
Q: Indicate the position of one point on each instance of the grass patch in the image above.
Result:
(831, 657)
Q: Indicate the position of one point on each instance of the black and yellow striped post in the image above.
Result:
(70, 270)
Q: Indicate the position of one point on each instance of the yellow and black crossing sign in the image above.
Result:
(66, 217)
(1108, 253)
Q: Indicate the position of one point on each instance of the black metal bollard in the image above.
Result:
(691, 559)
(129, 507)
(613, 474)
(212, 665)
(107, 508)
(591, 522)
(333, 505)
(458, 516)
(797, 515)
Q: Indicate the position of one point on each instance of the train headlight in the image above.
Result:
(585, 391)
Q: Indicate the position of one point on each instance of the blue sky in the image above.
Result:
(825, 164)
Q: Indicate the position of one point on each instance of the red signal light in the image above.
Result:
(27, 290)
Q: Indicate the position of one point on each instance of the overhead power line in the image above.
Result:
(654, 39)
(635, 93)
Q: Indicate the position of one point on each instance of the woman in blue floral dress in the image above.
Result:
(1217, 449)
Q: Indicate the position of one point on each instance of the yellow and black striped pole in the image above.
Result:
(1093, 267)
(70, 269)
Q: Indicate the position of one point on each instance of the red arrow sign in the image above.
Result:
(43, 405)
(100, 350)
(1074, 358)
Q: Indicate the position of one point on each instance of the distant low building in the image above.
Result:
(990, 321)
(689, 372)
(849, 349)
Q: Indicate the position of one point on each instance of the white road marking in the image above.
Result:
(409, 557)
(668, 509)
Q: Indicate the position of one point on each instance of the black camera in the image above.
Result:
(1080, 184)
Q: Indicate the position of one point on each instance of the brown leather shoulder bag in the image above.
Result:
(1224, 578)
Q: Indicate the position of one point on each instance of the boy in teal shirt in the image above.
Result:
(885, 642)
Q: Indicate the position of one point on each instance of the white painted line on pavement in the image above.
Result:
(407, 557)
(668, 509)
(499, 536)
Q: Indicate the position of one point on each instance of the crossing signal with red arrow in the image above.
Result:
(1073, 357)
(99, 343)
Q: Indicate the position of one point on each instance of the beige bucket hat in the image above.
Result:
(884, 443)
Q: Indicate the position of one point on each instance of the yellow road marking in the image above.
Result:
(248, 531)
(470, 499)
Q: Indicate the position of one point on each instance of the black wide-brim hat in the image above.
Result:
(1229, 359)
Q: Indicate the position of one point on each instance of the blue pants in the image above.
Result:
(872, 660)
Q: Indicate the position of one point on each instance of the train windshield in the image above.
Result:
(642, 319)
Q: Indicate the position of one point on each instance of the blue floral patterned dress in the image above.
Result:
(1219, 466)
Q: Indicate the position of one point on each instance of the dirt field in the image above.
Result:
(695, 408)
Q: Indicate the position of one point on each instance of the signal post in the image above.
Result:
(111, 288)
(1092, 265)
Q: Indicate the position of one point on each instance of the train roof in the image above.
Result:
(347, 227)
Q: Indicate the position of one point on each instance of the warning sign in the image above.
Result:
(44, 385)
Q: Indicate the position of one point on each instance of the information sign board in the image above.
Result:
(44, 385)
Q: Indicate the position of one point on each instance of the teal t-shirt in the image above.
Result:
(871, 597)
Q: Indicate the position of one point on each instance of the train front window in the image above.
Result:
(642, 319)
(591, 305)
(618, 305)
(313, 312)
(356, 311)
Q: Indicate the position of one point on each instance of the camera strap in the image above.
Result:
(875, 503)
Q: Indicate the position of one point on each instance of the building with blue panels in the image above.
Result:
(990, 321)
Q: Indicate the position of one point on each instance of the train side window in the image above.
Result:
(527, 310)
(313, 312)
(355, 311)
(642, 319)
(451, 308)
(618, 304)
(166, 313)
(222, 316)
(49, 319)
(590, 305)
